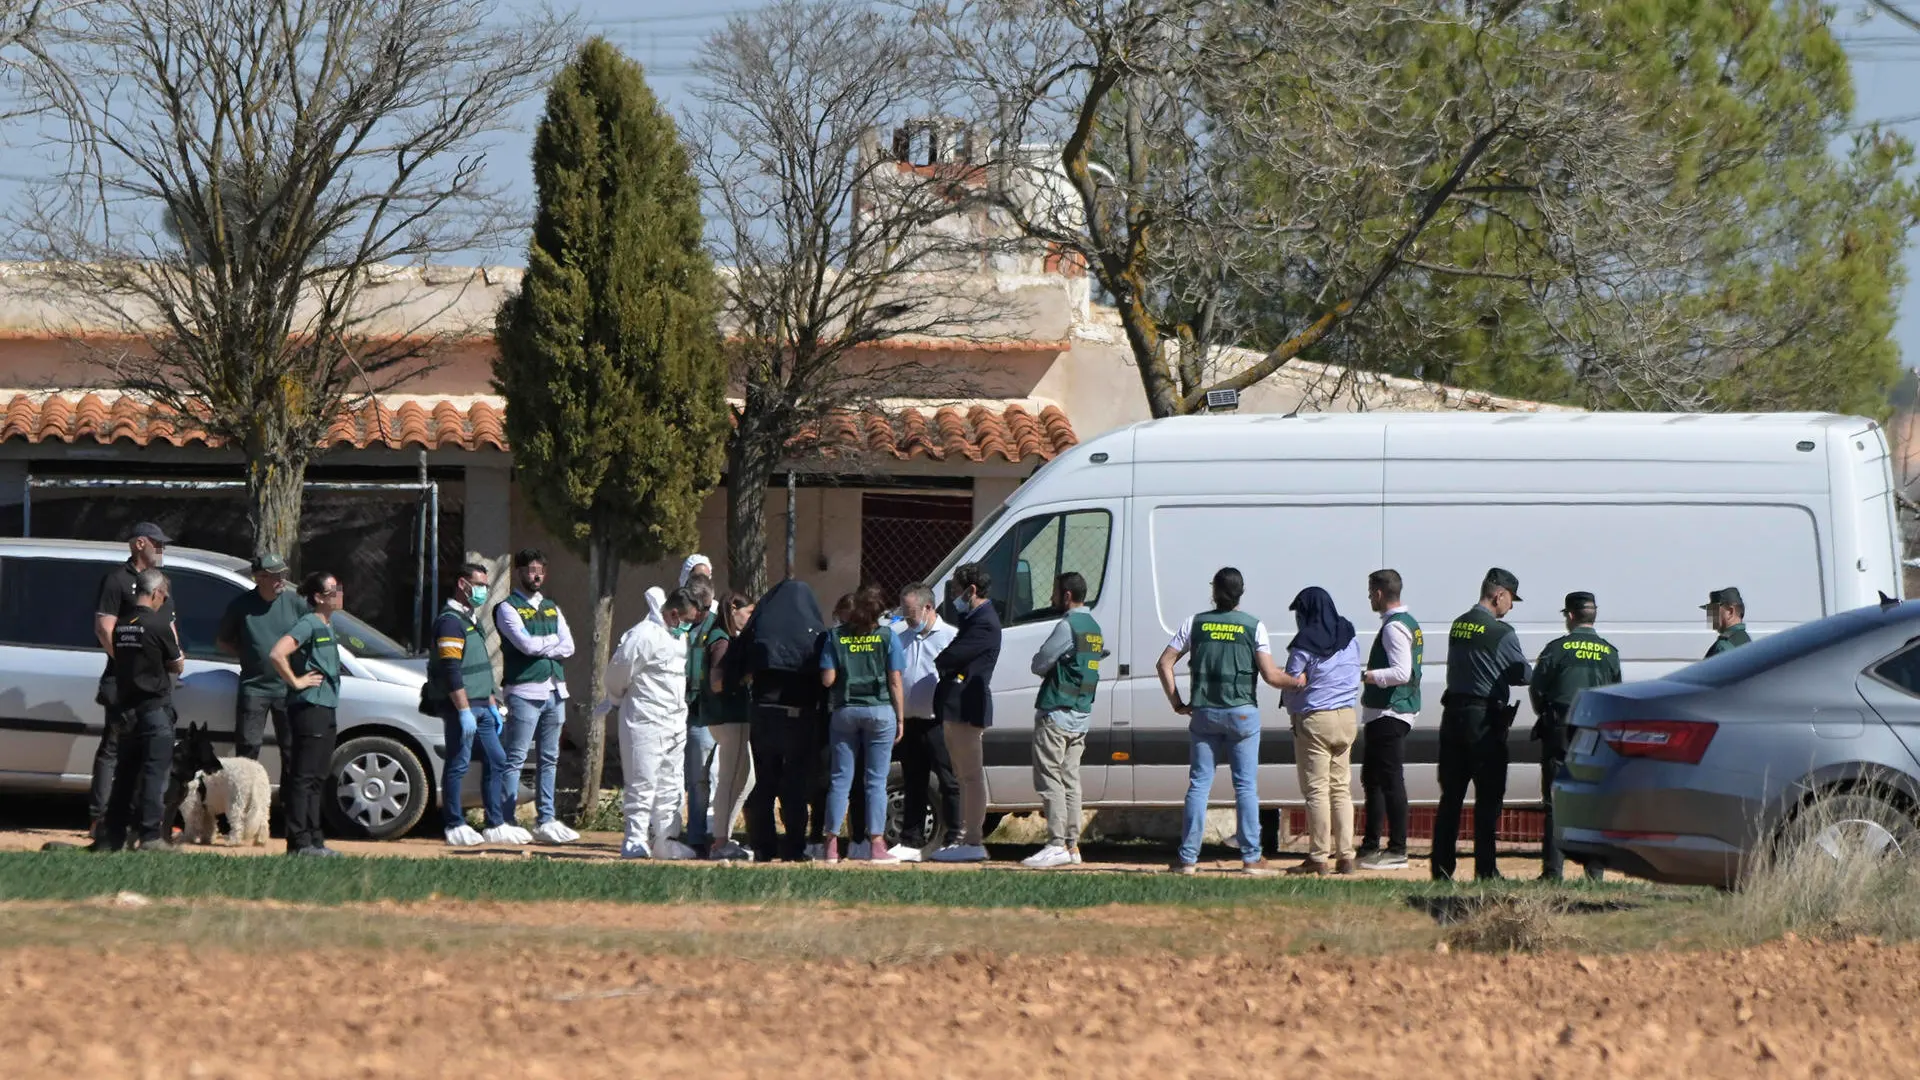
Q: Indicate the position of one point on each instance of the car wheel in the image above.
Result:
(380, 789)
(1850, 824)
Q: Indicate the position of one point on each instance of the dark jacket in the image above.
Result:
(965, 692)
(778, 649)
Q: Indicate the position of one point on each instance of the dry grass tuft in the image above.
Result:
(1837, 888)
(1524, 922)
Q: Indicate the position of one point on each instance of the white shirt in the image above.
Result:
(1181, 641)
(554, 646)
(1399, 670)
(647, 674)
(920, 647)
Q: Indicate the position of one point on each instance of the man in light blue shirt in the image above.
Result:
(1320, 691)
(923, 749)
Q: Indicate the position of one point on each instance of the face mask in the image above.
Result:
(680, 629)
(478, 596)
(159, 557)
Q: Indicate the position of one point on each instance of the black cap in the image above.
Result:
(147, 530)
(1577, 601)
(1727, 597)
(1505, 580)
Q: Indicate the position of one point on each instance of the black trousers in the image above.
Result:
(1384, 778)
(250, 718)
(143, 762)
(1473, 750)
(781, 740)
(923, 757)
(1553, 753)
(105, 755)
(303, 784)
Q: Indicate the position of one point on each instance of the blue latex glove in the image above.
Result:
(467, 724)
(499, 722)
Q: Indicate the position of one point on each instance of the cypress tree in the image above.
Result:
(609, 354)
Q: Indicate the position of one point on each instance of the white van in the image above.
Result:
(1649, 512)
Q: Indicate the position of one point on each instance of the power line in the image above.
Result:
(1893, 11)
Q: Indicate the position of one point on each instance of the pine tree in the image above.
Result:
(609, 354)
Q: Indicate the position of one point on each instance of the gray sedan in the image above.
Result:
(1809, 735)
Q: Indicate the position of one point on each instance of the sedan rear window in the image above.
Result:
(1775, 649)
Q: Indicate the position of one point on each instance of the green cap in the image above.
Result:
(269, 563)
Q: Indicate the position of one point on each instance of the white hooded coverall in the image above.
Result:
(647, 680)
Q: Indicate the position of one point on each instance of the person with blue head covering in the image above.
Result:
(1320, 690)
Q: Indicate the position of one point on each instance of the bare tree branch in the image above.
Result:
(250, 173)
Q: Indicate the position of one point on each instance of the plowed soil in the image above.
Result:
(125, 1001)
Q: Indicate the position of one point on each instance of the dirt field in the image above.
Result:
(606, 990)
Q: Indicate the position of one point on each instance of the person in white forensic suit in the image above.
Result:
(647, 682)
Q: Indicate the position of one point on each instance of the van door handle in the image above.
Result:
(1125, 670)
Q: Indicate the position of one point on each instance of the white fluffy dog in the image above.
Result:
(239, 789)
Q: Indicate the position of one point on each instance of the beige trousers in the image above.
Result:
(969, 768)
(1322, 748)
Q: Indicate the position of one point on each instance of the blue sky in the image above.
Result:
(664, 35)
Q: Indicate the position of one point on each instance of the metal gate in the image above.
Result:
(902, 537)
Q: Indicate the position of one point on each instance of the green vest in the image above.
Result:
(862, 660)
(1075, 677)
(1401, 700)
(476, 667)
(1221, 651)
(318, 652)
(540, 621)
(697, 641)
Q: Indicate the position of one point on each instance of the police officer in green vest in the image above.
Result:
(535, 641)
(1389, 707)
(1068, 664)
(1227, 649)
(1484, 661)
(460, 690)
(1566, 666)
(1727, 614)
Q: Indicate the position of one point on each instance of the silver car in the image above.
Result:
(1809, 734)
(388, 760)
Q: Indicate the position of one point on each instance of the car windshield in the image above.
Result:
(1775, 649)
(365, 641)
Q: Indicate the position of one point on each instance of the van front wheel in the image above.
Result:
(380, 789)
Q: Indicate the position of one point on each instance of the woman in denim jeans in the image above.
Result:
(862, 667)
(1227, 649)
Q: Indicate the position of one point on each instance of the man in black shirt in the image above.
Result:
(146, 657)
(145, 546)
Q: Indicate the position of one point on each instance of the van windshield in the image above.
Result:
(947, 564)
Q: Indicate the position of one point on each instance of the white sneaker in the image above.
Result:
(731, 851)
(507, 834)
(905, 853)
(1075, 853)
(555, 833)
(674, 850)
(464, 836)
(633, 849)
(1048, 857)
(961, 853)
(861, 850)
(816, 851)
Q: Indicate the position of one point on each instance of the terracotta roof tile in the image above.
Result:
(1009, 432)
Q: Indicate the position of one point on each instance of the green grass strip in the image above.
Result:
(77, 875)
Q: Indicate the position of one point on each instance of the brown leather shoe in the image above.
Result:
(1346, 866)
(1308, 868)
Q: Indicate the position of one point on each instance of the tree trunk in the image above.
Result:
(603, 576)
(748, 474)
(274, 488)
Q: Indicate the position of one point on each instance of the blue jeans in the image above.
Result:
(701, 767)
(493, 766)
(531, 723)
(871, 726)
(1233, 734)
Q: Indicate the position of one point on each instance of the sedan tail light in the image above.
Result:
(1683, 741)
